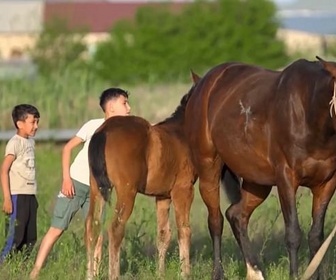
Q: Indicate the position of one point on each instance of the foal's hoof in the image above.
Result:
(89, 277)
(254, 273)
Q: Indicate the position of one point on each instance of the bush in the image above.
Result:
(162, 46)
(58, 48)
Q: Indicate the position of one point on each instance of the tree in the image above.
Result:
(163, 46)
(58, 48)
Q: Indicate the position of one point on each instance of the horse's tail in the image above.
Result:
(97, 163)
(230, 183)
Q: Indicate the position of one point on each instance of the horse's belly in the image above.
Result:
(252, 169)
(315, 172)
(158, 185)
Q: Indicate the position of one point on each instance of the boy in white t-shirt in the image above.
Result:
(19, 184)
(76, 184)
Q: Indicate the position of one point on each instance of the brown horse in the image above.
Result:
(132, 156)
(269, 128)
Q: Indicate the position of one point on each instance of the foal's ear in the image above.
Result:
(329, 66)
(194, 77)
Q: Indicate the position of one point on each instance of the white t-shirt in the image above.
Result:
(22, 171)
(79, 169)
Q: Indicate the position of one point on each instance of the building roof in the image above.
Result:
(98, 16)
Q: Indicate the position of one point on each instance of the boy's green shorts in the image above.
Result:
(66, 208)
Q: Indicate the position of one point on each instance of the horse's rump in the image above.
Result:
(121, 143)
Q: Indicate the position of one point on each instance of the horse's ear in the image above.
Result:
(329, 66)
(319, 58)
(194, 77)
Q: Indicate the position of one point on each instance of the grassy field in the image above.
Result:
(68, 100)
(68, 259)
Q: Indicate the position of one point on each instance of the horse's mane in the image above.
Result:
(179, 111)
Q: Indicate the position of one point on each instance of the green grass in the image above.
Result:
(68, 258)
(68, 100)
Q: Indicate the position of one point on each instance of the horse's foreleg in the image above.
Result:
(287, 187)
(163, 231)
(209, 175)
(182, 199)
(238, 216)
(116, 232)
(321, 198)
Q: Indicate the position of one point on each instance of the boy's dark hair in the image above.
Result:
(109, 94)
(20, 112)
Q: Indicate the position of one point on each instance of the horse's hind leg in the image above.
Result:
(321, 198)
(287, 188)
(116, 231)
(163, 231)
(238, 216)
(93, 235)
(209, 174)
(182, 198)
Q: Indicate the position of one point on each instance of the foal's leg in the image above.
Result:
(98, 219)
(163, 231)
(287, 187)
(93, 235)
(116, 231)
(209, 175)
(321, 198)
(182, 199)
(238, 215)
(89, 243)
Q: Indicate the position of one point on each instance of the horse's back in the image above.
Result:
(127, 135)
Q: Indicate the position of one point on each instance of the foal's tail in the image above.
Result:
(230, 183)
(97, 163)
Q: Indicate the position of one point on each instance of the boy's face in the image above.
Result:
(28, 127)
(118, 107)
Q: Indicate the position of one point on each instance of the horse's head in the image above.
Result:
(328, 66)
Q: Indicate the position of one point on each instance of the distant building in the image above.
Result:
(21, 16)
(100, 16)
(21, 21)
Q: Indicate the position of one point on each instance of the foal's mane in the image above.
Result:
(178, 114)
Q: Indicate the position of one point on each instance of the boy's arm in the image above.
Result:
(6, 164)
(67, 187)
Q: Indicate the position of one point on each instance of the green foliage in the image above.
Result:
(58, 48)
(161, 45)
(330, 49)
(69, 98)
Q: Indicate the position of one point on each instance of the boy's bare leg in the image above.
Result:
(47, 244)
